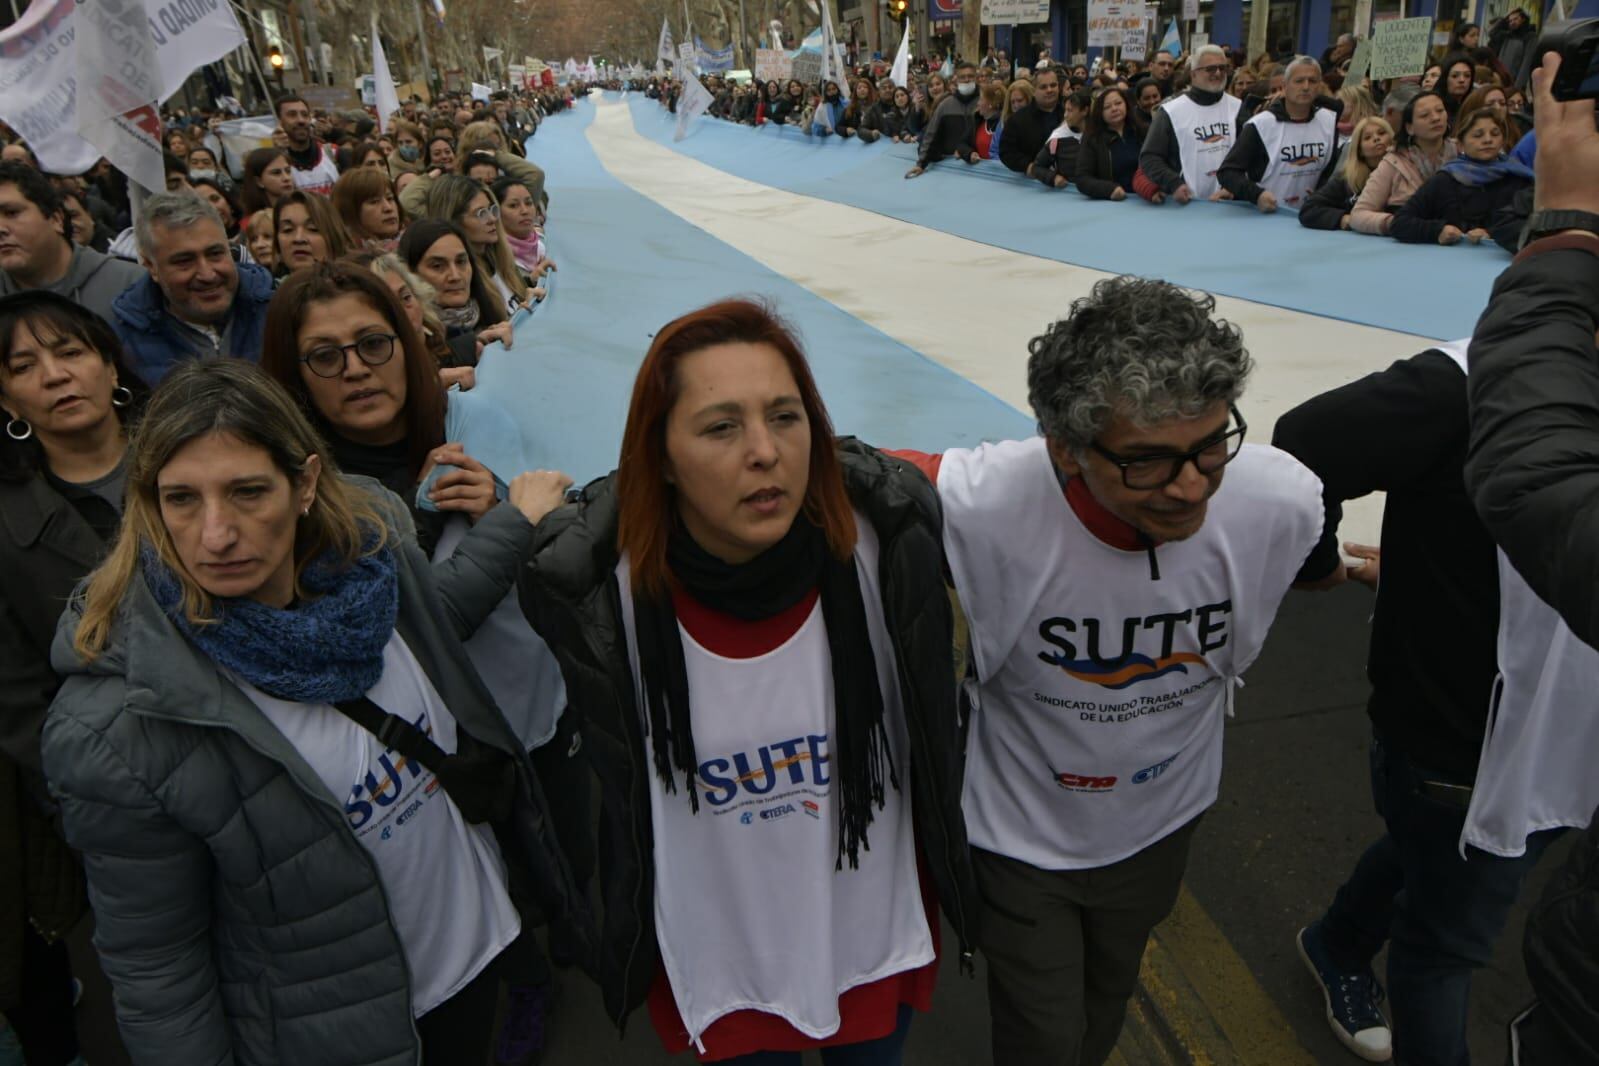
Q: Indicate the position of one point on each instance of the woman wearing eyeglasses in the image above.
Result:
(471, 206)
(339, 341)
(1116, 587)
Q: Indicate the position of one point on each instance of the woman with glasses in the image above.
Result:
(1119, 574)
(472, 207)
(749, 613)
(273, 882)
(370, 388)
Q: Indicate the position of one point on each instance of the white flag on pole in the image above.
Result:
(137, 55)
(833, 68)
(665, 51)
(491, 54)
(388, 97)
(691, 102)
(900, 73)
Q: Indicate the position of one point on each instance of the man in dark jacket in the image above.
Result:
(36, 249)
(1533, 470)
(1027, 129)
(949, 131)
(197, 302)
(1190, 135)
(1285, 152)
(1403, 431)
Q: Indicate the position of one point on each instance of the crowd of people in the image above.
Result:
(1440, 158)
(304, 707)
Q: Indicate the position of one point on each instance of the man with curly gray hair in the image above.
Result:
(1114, 594)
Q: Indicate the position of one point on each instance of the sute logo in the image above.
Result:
(758, 773)
(1214, 133)
(1303, 155)
(1145, 649)
(1085, 783)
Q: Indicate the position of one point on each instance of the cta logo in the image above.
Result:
(1144, 651)
(812, 808)
(1149, 773)
(1085, 783)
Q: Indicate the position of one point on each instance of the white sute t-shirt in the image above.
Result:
(1100, 690)
(444, 879)
(1297, 153)
(749, 911)
(1205, 134)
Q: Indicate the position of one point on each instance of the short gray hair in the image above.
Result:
(1205, 50)
(1301, 61)
(1399, 97)
(173, 210)
(1136, 347)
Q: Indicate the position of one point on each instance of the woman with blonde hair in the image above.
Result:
(1018, 96)
(473, 207)
(260, 238)
(1330, 206)
(214, 750)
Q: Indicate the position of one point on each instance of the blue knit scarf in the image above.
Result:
(1473, 172)
(325, 649)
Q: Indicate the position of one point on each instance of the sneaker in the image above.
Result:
(1351, 998)
(521, 1040)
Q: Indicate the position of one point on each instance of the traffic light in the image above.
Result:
(275, 57)
(897, 9)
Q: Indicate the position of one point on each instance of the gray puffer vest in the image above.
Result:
(238, 918)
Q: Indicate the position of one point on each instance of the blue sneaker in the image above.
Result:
(1352, 1000)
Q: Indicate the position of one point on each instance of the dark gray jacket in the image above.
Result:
(237, 916)
(93, 279)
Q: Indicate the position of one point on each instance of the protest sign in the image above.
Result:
(1014, 12)
(806, 68)
(1190, 10)
(772, 64)
(1399, 48)
(1109, 21)
(1359, 63)
(1135, 43)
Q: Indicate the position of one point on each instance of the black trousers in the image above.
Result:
(44, 1021)
(1063, 948)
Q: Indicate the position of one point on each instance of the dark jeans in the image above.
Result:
(1064, 947)
(884, 1051)
(462, 1029)
(44, 1020)
(1439, 914)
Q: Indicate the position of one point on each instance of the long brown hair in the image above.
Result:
(351, 192)
(280, 349)
(322, 216)
(198, 399)
(647, 503)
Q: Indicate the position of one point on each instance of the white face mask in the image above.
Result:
(198, 175)
(965, 88)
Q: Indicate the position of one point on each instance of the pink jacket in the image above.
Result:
(1396, 179)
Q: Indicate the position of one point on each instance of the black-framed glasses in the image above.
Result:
(374, 349)
(1158, 471)
(1214, 68)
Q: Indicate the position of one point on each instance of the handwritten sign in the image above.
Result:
(772, 64)
(1135, 43)
(1109, 22)
(1359, 63)
(1014, 12)
(806, 68)
(1190, 10)
(1400, 47)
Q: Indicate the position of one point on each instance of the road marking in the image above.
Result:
(970, 307)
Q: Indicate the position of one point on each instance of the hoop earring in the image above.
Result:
(121, 396)
(14, 433)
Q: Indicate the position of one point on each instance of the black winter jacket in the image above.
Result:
(1095, 171)
(1247, 162)
(1533, 470)
(1326, 207)
(1443, 201)
(1025, 133)
(1056, 157)
(570, 594)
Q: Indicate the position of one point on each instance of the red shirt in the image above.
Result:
(866, 1012)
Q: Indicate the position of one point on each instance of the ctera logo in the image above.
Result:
(758, 773)
(1145, 650)
(782, 810)
(1149, 773)
(1085, 783)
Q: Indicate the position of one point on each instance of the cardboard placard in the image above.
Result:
(1014, 12)
(1359, 63)
(1400, 48)
(331, 98)
(1109, 21)
(806, 68)
(772, 64)
(1190, 10)
(1135, 43)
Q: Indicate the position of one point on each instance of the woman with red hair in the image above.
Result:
(751, 619)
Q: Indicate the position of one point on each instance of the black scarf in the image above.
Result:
(769, 584)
